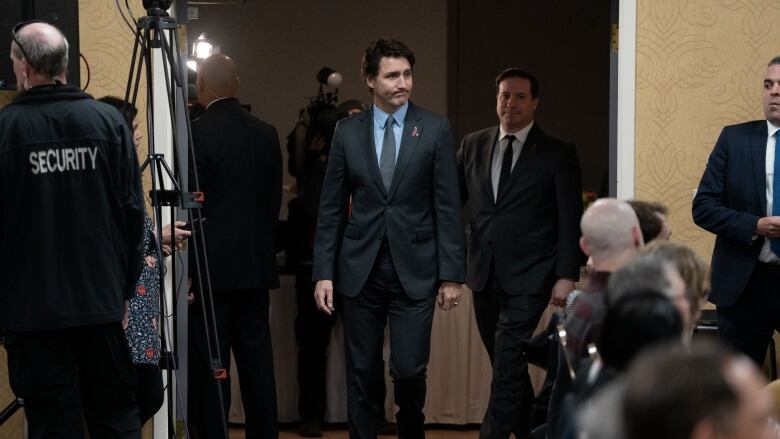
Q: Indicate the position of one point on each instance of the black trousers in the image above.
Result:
(383, 299)
(64, 373)
(504, 321)
(748, 324)
(149, 393)
(242, 325)
(312, 333)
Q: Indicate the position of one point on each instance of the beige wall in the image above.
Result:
(699, 66)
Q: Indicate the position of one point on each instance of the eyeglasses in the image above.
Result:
(16, 29)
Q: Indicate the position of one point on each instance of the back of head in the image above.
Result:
(636, 322)
(608, 228)
(669, 391)
(649, 215)
(644, 273)
(692, 268)
(128, 110)
(217, 78)
(44, 47)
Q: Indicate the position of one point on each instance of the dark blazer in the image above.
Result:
(239, 165)
(420, 215)
(531, 232)
(730, 200)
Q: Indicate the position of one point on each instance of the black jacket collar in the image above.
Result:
(49, 93)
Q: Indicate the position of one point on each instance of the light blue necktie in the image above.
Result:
(387, 156)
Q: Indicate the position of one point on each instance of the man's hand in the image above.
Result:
(126, 316)
(449, 293)
(323, 296)
(561, 290)
(768, 227)
(179, 234)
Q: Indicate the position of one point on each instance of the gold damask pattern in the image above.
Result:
(699, 65)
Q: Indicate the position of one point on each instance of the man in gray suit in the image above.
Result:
(399, 244)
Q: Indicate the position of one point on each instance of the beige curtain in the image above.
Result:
(459, 371)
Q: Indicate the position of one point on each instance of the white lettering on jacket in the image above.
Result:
(63, 160)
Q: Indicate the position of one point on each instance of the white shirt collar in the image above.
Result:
(215, 100)
(771, 128)
(521, 135)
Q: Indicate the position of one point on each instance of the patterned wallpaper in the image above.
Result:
(699, 66)
(107, 44)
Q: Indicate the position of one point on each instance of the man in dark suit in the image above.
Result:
(737, 200)
(523, 190)
(399, 245)
(239, 167)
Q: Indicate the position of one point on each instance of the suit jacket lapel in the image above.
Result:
(411, 134)
(488, 148)
(530, 147)
(366, 137)
(758, 139)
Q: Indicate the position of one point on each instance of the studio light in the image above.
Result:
(329, 77)
(202, 48)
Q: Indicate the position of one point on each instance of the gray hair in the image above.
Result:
(647, 272)
(774, 61)
(43, 56)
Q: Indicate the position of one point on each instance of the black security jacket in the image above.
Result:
(71, 211)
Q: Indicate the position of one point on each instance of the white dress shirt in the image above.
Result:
(500, 147)
(767, 255)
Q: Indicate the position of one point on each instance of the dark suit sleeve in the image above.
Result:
(710, 211)
(461, 161)
(446, 203)
(274, 177)
(332, 215)
(133, 206)
(568, 192)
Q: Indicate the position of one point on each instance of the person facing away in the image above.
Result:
(71, 230)
(239, 168)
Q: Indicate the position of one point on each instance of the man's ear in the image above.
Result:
(704, 429)
(371, 81)
(584, 245)
(638, 240)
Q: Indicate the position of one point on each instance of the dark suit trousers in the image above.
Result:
(383, 299)
(504, 322)
(748, 324)
(242, 324)
(312, 332)
(62, 373)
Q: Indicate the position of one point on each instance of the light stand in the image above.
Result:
(157, 33)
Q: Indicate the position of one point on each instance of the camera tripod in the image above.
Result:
(156, 33)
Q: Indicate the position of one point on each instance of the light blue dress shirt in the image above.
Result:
(380, 119)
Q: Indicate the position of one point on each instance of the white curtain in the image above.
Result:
(459, 371)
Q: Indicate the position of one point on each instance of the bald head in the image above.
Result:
(40, 55)
(217, 78)
(609, 227)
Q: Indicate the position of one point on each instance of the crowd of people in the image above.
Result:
(381, 239)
